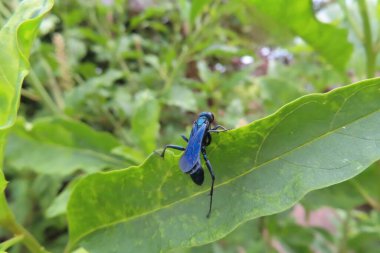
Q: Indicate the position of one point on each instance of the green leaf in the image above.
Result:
(290, 234)
(3, 132)
(262, 168)
(196, 8)
(182, 97)
(221, 50)
(145, 121)
(16, 38)
(80, 250)
(9, 243)
(59, 204)
(276, 92)
(3, 182)
(364, 232)
(60, 146)
(298, 17)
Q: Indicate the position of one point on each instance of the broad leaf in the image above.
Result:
(298, 17)
(16, 38)
(61, 146)
(262, 168)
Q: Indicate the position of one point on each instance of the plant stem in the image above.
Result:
(30, 95)
(4, 11)
(8, 222)
(346, 229)
(42, 92)
(367, 40)
(9, 243)
(371, 201)
(54, 87)
(187, 49)
(354, 25)
(182, 58)
(265, 233)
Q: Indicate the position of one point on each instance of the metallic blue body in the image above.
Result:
(190, 159)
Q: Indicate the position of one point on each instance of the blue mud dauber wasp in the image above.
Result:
(200, 137)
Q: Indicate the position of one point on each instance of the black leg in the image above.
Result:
(173, 147)
(209, 167)
(219, 126)
(206, 139)
(184, 137)
(216, 131)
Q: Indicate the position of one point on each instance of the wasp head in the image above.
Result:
(208, 115)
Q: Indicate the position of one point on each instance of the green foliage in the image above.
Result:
(111, 81)
(329, 41)
(144, 121)
(348, 195)
(16, 38)
(70, 146)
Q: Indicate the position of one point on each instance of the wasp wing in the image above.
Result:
(191, 156)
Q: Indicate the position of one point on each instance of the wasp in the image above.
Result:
(200, 138)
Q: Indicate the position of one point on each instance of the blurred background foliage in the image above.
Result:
(113, 80)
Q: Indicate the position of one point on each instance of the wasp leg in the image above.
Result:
(209, 167)
(206, 139)
(219, 126)
(184, 137)
(215, 129)
(173, 147)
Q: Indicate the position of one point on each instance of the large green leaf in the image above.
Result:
(16, 38)
(262, 168)
(298, 17)
(60, 146)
